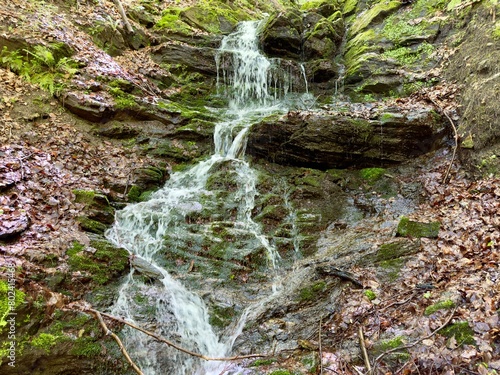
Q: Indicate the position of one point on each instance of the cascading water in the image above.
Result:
(164, 305)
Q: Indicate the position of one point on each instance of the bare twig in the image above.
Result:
(173, 345)
(417, 341)
(118, 341)
(361, 337)
(396, 303)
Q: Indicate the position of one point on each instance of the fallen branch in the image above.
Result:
(455, 136)
(170, 343)
(417, 341)
(361, 337)
(118, 341)
(124, 16)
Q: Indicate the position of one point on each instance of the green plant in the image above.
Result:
(370, 294)
(44, 341)
(40, 66)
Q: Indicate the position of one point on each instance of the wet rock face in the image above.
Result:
(282, 35)
(313, 37)
(335, 140)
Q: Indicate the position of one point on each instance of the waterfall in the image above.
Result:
(165, 305)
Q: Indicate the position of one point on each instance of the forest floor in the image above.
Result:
(45, 153)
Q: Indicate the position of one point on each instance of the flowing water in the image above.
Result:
(256, 86)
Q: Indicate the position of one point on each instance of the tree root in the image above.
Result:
(164, 340)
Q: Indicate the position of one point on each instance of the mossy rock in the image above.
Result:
(390, 251)
(462, 332)
(282, 34)
(84, 196)
(6, 304)
(172, 22)
(214, 18)
(134, 194)
(409, 228)
(90, 225)
(178, 150)
(98, 210)
(221, 316)
(441, 305)
(322, 41)
(371, 175)
(105, 263)
(312, 292)
(391, 344)
(373, 15)
(349, 7)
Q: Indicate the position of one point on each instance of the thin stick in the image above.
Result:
(455, 136)
(175, 346)
(363, 349)
(419, 340)
(118, 341)
(320, 348)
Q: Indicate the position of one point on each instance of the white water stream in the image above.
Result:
(165, 306)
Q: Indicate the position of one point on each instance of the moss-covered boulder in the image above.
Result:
(326, 140)
(321, 40)
(409, 228)
(282, 35)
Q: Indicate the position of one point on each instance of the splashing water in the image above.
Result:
(164, 305)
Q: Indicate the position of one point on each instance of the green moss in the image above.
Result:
(90, 225)
(263, 362)
(44, 341)
(122, 99)
(281, 372)
(170, 20)
(409, 228)
(214, 16)
(105, 263)
(359, 49)
(370, 294)
(390, 251)
(372, 174)
(6, 305)
(495, 34)
(385, 345)
(146, 195)
(309, 180)
(221, 316)
(134, 194)
(391, 268)
(311, 292)
(314, 4)
(185, 111)
(375, 13)
(462, 332)
(406, 56)
(349, 7)
(397, 29)
(84, 196)
(86, 347)
(441, 305)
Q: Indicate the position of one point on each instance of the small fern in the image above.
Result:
(39, 66)
(12, 60)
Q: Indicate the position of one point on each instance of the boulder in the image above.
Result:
(145, 268)
(12, 225)
(337, 140)
(196, 59)
(282, 35)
